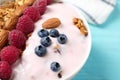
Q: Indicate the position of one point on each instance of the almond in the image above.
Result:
(29, 2)
(51, 23)
(11, 23)
(19, 10)
(3, 38)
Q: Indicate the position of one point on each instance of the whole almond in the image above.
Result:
(19, 10)
(3, 38)
(11, 23)
(29, 2)
(51, 23)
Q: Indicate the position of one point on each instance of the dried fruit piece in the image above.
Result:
(51, 23)
(3, 38)
(79, 23)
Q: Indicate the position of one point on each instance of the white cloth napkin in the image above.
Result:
(95, 11)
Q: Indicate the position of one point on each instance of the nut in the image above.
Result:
(29, 2)
(80, 25)
(11, 23)
(22, 2)
(3, 38)
(19, 10)
(51, 23)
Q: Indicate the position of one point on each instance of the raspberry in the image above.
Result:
(25, 24)
(10, 54)
(41, 5)
(33, 13)
(49, 2)
(5, 70)
(17, 39)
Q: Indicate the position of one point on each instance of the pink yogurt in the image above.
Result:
(73, 54)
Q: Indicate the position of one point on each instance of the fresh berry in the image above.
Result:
(9, 54)
(5, 70)
(54, 33)
(43, 33)
(55, 66)
(33, 13)
(25, 24)
(49, 2)
(41, 5)
(40, 51)
(62, 39)
(46, 41)
(17, 39)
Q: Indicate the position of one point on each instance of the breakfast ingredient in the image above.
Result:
(46, 41)
(9, 54)
(5, 70)
(40, 51)
(43, 33)
(11, 23)
(79, 23)
(20, 9)
(25, 24)
(62, 39)
(49, 2)
(41, 5)
(51, 23)
(17, 39)
(22, 2)
(54, 33)
(3, 38)
(33, 13)
(55, 66)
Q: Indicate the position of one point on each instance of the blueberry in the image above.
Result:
(43, 33)
(46, 41)
(54, 33)
(40, 51)
(55, 66)
(62, 39)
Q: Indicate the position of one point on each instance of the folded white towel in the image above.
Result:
(95, 11)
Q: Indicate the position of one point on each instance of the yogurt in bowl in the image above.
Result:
(71, 56)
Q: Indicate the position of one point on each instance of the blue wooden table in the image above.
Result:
(104, 60)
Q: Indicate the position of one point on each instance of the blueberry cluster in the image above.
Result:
(46, 42)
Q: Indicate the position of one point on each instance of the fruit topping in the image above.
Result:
(43, 33)
(5, 70)
(9, 54)
(46, 41)
(41, 5)
(55, 66)
(33, 13)
(54, 33)
(62, 39)
(25, 24)
(17, 39)
(49, 2)
(40, 51)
